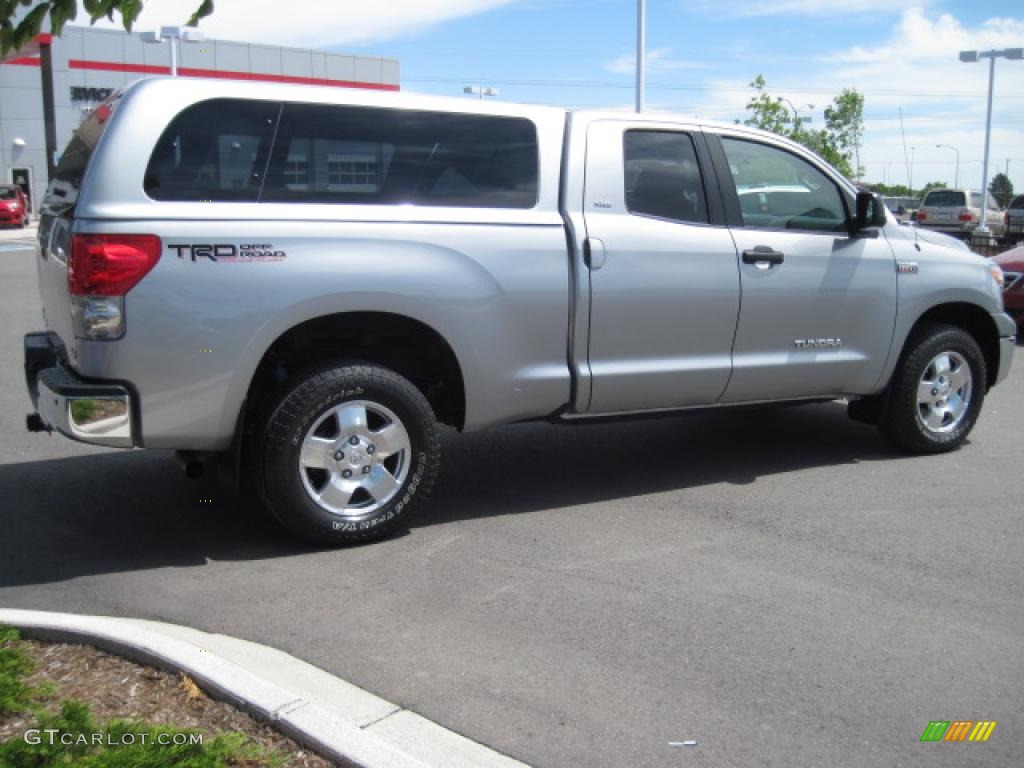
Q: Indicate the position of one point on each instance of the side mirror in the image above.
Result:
(870, 212)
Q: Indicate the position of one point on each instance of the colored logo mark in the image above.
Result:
(958, 730)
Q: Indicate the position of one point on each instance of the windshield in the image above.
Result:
(8, 193)
(945, 198)
(1018, 203)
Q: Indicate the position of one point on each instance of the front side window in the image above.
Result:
(213, 151)
(662, 176)
(369, 155)
(778, 190)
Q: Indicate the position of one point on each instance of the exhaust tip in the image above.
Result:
(191, 463)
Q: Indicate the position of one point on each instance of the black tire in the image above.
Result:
(293, 418)
(902, 417)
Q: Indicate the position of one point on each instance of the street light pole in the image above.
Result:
(480, 91)
(797, 120)
(982, 227)
(956, 179)
(970, 57)
(641, 51)
(174, 36)
(910, 178)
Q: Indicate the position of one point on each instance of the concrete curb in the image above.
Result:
(334, 718)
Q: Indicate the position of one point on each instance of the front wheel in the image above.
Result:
(347, 452)
(937, 390)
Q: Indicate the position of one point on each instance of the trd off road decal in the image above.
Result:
(227, 252)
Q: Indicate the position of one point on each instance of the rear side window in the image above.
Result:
(214, 151)
(662, 176)
(946, 198)
(362, 155)
(62, 192)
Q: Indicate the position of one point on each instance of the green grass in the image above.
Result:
(15, 666)
(122, 743)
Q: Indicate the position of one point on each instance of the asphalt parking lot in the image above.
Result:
(775, 584)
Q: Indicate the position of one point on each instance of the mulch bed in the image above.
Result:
(116, 688)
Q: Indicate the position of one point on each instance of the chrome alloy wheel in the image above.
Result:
(355, 458)
(944, 393)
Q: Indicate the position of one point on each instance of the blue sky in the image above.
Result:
(701, 56)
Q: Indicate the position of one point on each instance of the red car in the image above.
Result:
(1012, 264)
(13, 205)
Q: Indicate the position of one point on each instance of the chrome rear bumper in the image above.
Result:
(90, 412)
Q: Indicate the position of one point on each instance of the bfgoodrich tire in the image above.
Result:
(937, 391)
(347, 453)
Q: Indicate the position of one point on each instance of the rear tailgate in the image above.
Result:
(52, 271)
(56, 219)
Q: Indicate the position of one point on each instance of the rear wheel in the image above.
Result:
(347, 453)
(937, 391)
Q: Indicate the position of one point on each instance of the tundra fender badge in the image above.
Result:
(818, 343)
(907, 267)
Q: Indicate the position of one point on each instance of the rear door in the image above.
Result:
(664, 286)
(818, 305)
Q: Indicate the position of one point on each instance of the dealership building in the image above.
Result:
(86, 64)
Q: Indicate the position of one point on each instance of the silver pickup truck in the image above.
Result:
(304, 282)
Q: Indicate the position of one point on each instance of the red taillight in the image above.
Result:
(966, 216)
(1006, 218)
(921, 216)
(110, 265)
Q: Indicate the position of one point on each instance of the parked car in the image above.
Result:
(1013, 220)
(13, 206)
(958, 212)
(903, 208)
(1012, 264)
(300, 283)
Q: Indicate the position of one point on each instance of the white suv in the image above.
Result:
(958, 212)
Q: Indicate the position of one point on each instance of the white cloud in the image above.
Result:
(658, 60)
(752, 8)
(311, 23)
(918, 39)
(916, 70)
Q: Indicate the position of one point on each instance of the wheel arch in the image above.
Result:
(404, 344)
(969, 317)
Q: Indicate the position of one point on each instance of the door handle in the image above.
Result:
(594, 254)
(763, 256)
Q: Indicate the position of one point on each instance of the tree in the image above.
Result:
(767, 113)
(838, 142)
(1002, 189)
(18, 28)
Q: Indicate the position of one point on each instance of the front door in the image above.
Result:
(818, 305)
(664, 282)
